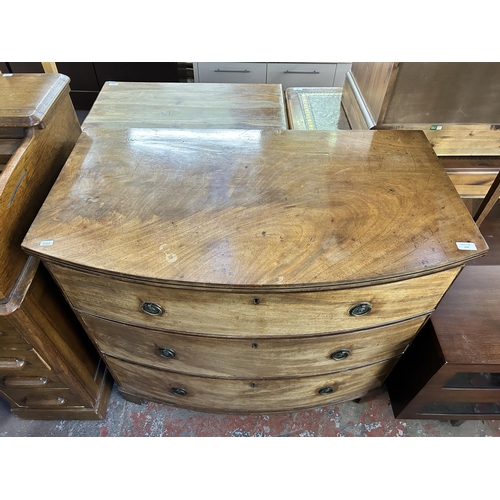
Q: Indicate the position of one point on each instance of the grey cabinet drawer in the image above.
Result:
(301, 75)
(220, 72)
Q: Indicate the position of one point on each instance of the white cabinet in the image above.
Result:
(214, 72)
(301, 75)
(286, 74)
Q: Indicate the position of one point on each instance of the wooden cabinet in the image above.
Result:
(455, 104)
(452, 369)
(48, 367)
(285, 74)
(252, 270)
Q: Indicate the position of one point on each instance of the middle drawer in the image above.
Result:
(228, 357)
(258, 314)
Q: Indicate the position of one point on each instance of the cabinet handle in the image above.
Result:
(165, 352)
(326, 390)
(231, 71)
(340, 354)
(44, 402)
(302, 72)
(179, 391)
(12, 363)
(25, 381)
(360, 309)
(152, 309)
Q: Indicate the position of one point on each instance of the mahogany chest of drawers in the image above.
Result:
(48, 367)
(252, 270)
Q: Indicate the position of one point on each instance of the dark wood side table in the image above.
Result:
(452, 369)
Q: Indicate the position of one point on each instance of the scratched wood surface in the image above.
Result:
(255, 208)
(188, 105)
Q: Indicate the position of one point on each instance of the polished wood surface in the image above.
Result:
(242, 209)
(240, 357)
(42, 340)
(247, 395)
(31, 168)
(25, 99)
(188, 105)
(229, 314)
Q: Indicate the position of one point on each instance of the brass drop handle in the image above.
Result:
(152, 309)
(360, 309)
(179, 391)
(340, 354)
(165, 352)
(326, 390)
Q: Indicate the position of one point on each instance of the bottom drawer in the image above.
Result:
(246, 395)
(41, 398)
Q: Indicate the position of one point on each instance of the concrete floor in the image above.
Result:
(372, 417)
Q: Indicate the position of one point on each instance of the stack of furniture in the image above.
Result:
(48, 366)
(223, 265)
(455, 104)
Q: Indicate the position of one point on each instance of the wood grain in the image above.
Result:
(25, 99)
(54, 346)
(193, 105)
(252, 209)
(246, 395)
(231, 314)
(33, 167)
(250, 357)
(467, 319)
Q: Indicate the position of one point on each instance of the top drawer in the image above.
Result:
(301, 75)
(214, 72)
(239, 314)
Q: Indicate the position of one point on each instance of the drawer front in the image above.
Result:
(23, 363)
(236, 395)
(15, 382)
(301, 75)
(9, 336)
(228, 357)
(220, 72)
(42, 398)
(250, 315)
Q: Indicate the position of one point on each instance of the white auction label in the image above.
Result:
(465, 245)
(46, 243)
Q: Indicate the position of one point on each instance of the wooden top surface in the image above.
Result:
(188, 105)
(26, 98)
(271, 208)
(467, 321)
